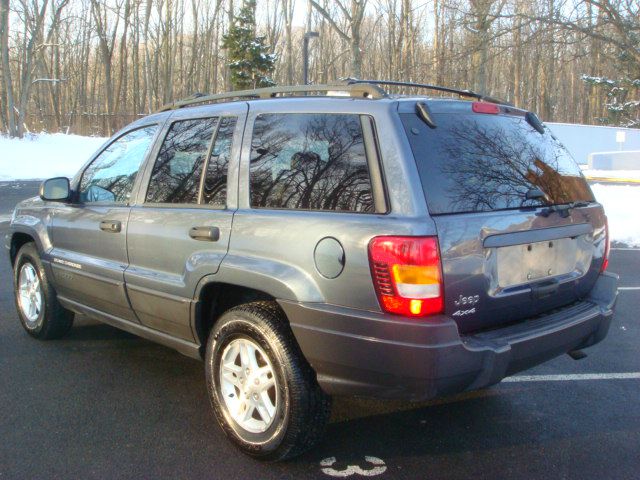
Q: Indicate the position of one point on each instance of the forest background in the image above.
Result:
(90, 67)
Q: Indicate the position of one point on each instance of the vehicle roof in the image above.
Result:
(405, 104)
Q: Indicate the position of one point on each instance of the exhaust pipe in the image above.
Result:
(577, 354)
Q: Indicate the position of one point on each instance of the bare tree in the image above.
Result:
(9, 110)
(354, 15)
(480, 18)
(571, 60)
(34, 14)
(287, 8)
(107, 29)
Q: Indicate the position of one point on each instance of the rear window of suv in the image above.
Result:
(481, 162)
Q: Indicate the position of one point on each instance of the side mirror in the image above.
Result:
(55, 189)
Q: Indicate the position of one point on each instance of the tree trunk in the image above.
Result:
(28, 66)
(6, 70)
(517, 70)
(357, 16)
(147, 59)
(288, 6)
(227, 72)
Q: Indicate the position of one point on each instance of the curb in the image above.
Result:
(625, 181)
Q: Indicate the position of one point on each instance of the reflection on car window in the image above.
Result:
(176, 173)
(310, 161)
(473, 163)
(110, 177)
(215, 181)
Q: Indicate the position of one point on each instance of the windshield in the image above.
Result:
(478, 162)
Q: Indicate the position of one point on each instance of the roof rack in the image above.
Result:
(359, 90)
(462, 93)
(352, 87)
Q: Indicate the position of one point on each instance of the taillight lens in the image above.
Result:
(406, 275)
(607, 246)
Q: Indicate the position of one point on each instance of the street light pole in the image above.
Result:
(305, 55)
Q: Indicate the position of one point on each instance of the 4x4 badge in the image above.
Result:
(460, 313)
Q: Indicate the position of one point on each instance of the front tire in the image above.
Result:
(38, 309)
(264, 394)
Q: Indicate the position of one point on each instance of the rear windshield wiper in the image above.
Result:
(563, 209)
(533, 120)
(425, 114)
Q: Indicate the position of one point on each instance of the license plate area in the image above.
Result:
(526, 263)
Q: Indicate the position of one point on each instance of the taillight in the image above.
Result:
(484, 107)
(607, 246)
(406, 275)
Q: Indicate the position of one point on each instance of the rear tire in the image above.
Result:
(264, 393)
(39, 311)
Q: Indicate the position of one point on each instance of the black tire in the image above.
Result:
(303, 409)
(53, 321)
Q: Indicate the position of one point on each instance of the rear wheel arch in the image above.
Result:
(215, 298)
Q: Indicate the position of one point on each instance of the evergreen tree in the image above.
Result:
(622, 107)
(250, 63)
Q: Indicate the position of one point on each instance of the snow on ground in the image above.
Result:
(45, 155)
(620, 203)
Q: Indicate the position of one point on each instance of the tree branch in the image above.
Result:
(333, 24)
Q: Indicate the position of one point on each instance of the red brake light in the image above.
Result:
(607, 246)
(484, 107)
(406, 275)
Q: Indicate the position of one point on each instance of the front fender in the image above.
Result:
(36, 225)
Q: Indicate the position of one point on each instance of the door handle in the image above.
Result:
(209, 234)
(111, 226)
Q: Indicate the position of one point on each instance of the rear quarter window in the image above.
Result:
(479, 162)
(310, 162)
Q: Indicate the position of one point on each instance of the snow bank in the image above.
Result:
(620, 203)
(45, 155)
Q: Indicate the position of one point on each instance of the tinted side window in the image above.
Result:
(110, 177)
(176, 173)
(310, 161)
(215, 181)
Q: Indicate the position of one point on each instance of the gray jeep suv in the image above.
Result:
(324, 240)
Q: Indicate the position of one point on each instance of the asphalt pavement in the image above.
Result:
(13, 192)
(104, 404)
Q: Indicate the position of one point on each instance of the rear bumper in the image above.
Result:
(367, 353)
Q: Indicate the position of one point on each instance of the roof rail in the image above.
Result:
(353, 87)
(356, 90)
(462, 93)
